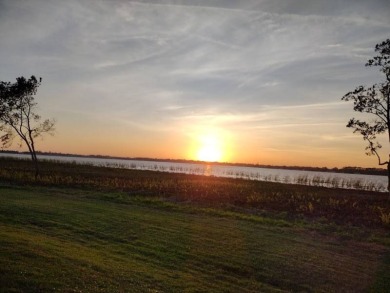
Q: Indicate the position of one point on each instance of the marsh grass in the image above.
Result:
(330, 180)
(352, 207)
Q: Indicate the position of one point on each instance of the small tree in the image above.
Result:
(374, 100)
(17, 116)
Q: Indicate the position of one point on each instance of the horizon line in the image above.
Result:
(196, 161)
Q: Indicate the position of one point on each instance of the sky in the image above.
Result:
(250, 81)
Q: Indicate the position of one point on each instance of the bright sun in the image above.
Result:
(210, 149)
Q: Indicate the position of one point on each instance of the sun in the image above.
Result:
(210, 148)
(209, 144)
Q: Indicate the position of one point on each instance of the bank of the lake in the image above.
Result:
(356, 207)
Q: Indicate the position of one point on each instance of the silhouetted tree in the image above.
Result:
(374, 100)
(17, 116)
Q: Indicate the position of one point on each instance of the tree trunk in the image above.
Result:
(36, 166)
(388, 178)
(35, 162)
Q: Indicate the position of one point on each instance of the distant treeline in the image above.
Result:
(349, 169)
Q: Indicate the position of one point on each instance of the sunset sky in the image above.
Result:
(249, 81)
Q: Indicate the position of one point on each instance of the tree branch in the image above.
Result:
(373, 151)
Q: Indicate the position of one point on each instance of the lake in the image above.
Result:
(325, 179)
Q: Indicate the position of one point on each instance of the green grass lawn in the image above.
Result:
(79, 240)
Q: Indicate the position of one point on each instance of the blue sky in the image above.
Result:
(147, 78)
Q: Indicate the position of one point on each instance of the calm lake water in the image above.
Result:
(326, 179)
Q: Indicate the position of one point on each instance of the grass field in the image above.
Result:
(91, 237)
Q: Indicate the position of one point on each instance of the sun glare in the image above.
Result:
(210, 149)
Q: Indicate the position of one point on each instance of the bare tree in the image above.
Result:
(374, 100)
(18, 117)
